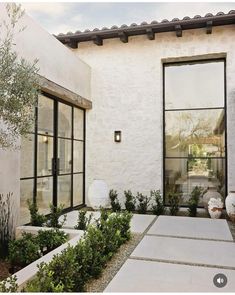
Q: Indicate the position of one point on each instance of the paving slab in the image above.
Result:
(149, 276)
(139, 222)
(221, 254)
(202, 228)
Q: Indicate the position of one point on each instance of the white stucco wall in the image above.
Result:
(55, 62)
(127, 95)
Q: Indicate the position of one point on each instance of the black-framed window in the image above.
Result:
(52, 157)
(194, 127)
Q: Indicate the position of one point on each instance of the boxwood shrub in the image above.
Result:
(70, 270)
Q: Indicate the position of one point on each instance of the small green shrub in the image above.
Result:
(113, 196)
(9, 285)
(48, 240)
(158, 208)
(24, 250)
(174, 199)
(193, 201)
(130, 201)
(36, 219)
(44, 281)
(70, 270)
(142, 206)
(53, 218)
(83, 221)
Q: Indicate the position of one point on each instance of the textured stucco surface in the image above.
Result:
(127, 95)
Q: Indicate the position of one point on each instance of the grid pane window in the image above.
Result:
(52, 166)
(194, 134)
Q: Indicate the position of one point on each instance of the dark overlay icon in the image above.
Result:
(220, 280)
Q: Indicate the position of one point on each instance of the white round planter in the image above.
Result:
(98, 194)
(211, 193)
(215, 207)
(230, 205)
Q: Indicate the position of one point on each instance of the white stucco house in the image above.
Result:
(166, 89)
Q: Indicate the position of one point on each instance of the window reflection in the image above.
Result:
(182, 175)
(194, 128)
(45, 115)
(197, 133)
(65, 121)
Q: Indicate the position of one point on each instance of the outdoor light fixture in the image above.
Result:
(45, 138)
(117, 136)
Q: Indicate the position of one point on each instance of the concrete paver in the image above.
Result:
(187, 251)
(150, 276)
(203, 228)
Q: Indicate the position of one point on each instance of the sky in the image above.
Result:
(63, 17)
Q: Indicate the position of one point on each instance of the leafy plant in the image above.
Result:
(142, 206)
(53, 218)
(24, 250)
(18, 84)
(36, 219)
(9, 285)
(193, 201)
(83, 221)
(6, 223)
(130, 201)
(44, 281)
(174, 199)
(113, 196)
(158, 208)
(70, 270)
(48, 240)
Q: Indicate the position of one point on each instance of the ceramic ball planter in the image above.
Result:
(230, 205)
(215, 208)
(211, 193)
(98, 194)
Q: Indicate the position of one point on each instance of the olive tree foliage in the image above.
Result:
(18, 83)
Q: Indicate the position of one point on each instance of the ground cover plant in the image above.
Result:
(75, 266)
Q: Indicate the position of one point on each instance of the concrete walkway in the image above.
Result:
(179, 254)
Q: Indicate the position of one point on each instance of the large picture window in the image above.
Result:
(194, 127)
(52, 157)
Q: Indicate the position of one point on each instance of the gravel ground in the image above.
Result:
(113, 266)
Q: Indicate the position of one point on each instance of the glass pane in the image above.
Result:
(64, 154)
(194, 85)
(78, 156)
(26, 192)
(64, 120)
(45, 155)
(45, 115)
(64, 190)
(182, 175)
(44, 194)
(195, 133)
(27, 156)
(77, 189)
(78, 123)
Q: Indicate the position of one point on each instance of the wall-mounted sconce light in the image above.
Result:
(45, 138)
(117, 136)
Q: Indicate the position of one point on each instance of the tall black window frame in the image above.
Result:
(225, 157)
(35, 134)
